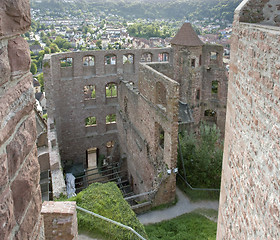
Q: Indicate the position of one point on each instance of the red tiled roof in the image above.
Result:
(186, 36)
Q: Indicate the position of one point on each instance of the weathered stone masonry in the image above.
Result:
(20, 196)
(199, 69)
(249, 200)
(69, 107)
(144, 113)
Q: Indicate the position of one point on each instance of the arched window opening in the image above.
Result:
(111, 90)
(210, 116)
(110, 146)
(88, 61)
(128, 59)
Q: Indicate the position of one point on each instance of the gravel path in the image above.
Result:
(184, 205)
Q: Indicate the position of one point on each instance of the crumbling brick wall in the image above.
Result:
(142, 117)
(249, 200)
(20, 196)
(67, 103)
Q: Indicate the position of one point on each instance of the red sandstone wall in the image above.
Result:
(68, 108)
(137, 121)
(249, 200)
(20, 196)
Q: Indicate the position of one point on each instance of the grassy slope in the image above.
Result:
(106, 200)
(188, 226)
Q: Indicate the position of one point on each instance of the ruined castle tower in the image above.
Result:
(199, 69)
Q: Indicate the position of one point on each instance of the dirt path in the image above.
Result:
(184, 205)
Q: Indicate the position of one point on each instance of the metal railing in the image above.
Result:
(111, 221)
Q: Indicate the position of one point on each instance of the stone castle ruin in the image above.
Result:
(124, 105)
(127, 105)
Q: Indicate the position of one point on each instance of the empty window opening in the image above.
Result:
(193, 63)
(88, 61)
(111, 90)
(128, 59)
(163, 57)
(161, 94)
(66, 62)
(210, 113)
(146, 57)
(89, 92)
(161, 139)
(111, 118)
(200, 60)
(197, 94)
(214, 56)
(110, 146)
(110, 60)
(90, 121)
(215, 86)
(210, 116)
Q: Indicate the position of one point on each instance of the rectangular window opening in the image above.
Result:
(89, 92)
(66, 62)
(90, 121)
(111, 118)
(215, 86)
(193, 63)
(214, 56)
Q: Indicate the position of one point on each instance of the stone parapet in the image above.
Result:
(60, 220)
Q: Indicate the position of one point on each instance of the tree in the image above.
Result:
(54, 48)
(33, 68)
(40, 79)
(99, 44)
(47, 50)
(36, 42)
(202, 157)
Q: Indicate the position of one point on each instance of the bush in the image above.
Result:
(202, 156)
(106, 200)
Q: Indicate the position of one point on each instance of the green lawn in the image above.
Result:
(191, 226)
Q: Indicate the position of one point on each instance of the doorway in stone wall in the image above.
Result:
(92, 157)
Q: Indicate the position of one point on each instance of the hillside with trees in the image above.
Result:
(131, 9)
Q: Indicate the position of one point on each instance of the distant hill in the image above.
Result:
(131, 9)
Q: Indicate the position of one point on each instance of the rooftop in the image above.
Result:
(186, 36)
